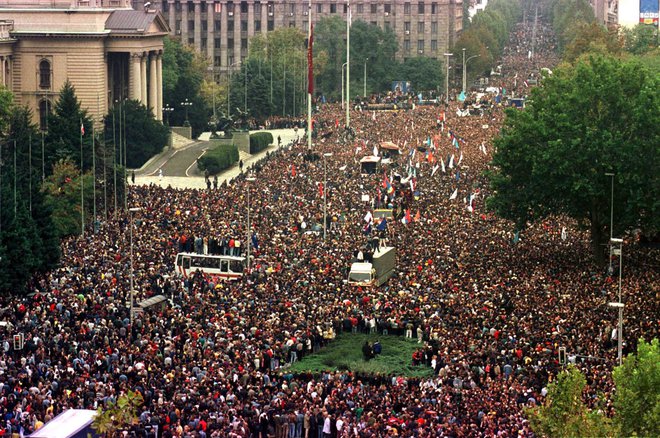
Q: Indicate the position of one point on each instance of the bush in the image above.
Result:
(260, 141)
(218, 158)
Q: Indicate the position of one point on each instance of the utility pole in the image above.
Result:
(348, 64)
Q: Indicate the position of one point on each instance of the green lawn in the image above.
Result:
(345, 352)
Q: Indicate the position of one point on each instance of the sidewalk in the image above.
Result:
(198, 182)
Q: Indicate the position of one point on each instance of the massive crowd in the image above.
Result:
(492, 306)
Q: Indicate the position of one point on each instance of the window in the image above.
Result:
(230, 44)
(387, 8)
(292, 9)
(177, 7)
(216, 61)
(434, 27)
(44, 110)
(434, 45)
(387, 24)
(205, 26)
(271, 25)
(230, 26)
(257, 25)
(345, 9)
(230, 59)
(243, 25)
(420, 45)
(177, 25)
(216, 25)
(244, 43)
(373, 23)
(203, 8)
(406, 8)
(244, 7)
(305, 24)
(420, 27)
(360, 8)
(44, 74)
(204, 42)
(191, 25)
(319, 8)
(224, 265)
(216, 43)
(420, 8)
(406, 27)
(166, 6)
(236, 266)
(292, 23)
(434, 8)
(333, 8)
(186, 263)
(257, 9)
(230, 8)
(191, 41)
(406, 45)
(374, 8)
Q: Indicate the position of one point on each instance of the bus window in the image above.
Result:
(236, 266)
(224, 266)
(186, 262)
(178, 260)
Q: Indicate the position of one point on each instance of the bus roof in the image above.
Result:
(214, 256)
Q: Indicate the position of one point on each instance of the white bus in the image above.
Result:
(221, 267)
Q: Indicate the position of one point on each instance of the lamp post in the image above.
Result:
(348, 63)
(465, 61)
(325, 192)
(364, 91)
(447, 78)
(167, 110)
(342, 84)
(132, 210)
(611, 175)
(186, 103)
(619, 305)
(249, 238)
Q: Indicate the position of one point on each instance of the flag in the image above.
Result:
(417, 216)
(461, 97)
(435, 168)
(382, 225)
(454, 195)
(516, 237)
(386, 183)
(375, 151)
(310, 61)
(430, 157)
(442, 163)
(373, 115)
(321, 189)
(367, 228)
(526, 84)
(368, 218)
(218, 8)
(563, 233)
(451, 162)
(443, 116)
(406, 219)
(460, 158)
(82, 128)
(454, 141)
(342, 168)
(293, 170)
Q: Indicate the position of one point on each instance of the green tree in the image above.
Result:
(329, 40)
(145, 136)
(64, 129)
(423, 72)
(115, 417)
(640, 39)
(24, 247)
(596, 117)
(567, 18)
(62, 193)
(637, 396)
(592, 38)
(564, 413)
(184, 71)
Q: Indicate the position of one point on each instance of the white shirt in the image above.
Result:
(327, 428)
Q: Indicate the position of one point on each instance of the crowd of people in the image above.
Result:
(490, 307)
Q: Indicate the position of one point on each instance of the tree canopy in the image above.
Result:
(596, 117)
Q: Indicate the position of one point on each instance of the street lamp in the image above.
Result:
(325, 192)
(132, 210)
(447, 78)
(611, 175)
(619, 334)
(167, 110)
(465, 61)
(186, 103)
(342, 84)
(249, 238)
(348, 63)
(364, 91)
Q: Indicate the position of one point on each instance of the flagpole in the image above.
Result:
(94, 162)
(82, 184)
(348, 63)
(310, 78)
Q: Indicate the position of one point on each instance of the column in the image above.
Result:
(223, 35)
(264, 17)
(153, 83)
(143, 75)
(184, 21)
(4, 70)
(250, 19)
(136, 76)
(198, 26)
(237, 31)
(172, 16)
(159, 86)
(210, 27)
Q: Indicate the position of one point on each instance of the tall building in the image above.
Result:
(106, 49)
(221, 29)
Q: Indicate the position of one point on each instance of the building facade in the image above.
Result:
(106, 49)
(221, 29)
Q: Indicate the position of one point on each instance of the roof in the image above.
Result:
(361, 267)
(389, 145)
(156, 299)
(66, 424)
(370, 159)
(130, 21)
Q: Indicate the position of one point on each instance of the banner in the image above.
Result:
(648, 12)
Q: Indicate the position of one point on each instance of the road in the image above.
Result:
(179, 167)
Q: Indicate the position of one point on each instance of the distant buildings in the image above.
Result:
(221, 29)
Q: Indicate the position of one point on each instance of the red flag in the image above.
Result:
(310, 61)
(321, 189)
(293, 170)
(385, 181)
(417, 216)
(82, 128)
(408, 216)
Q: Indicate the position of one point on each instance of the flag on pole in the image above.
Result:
(320, 189)
(435, 168)
(368, 218)
(293, 170)
(454, 195)
(451, 162)
(375, 151)
(442, 164)
(417, 216)
(382, 226)
(310, 61)
(255, 241)
(563, 233)
(82, 128)
(460, 158)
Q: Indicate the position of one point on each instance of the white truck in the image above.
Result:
(376, 273)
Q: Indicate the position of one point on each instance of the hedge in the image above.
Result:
(260, 141)
(217, 159)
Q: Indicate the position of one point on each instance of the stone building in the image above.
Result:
(221, 29)
(106, 49)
